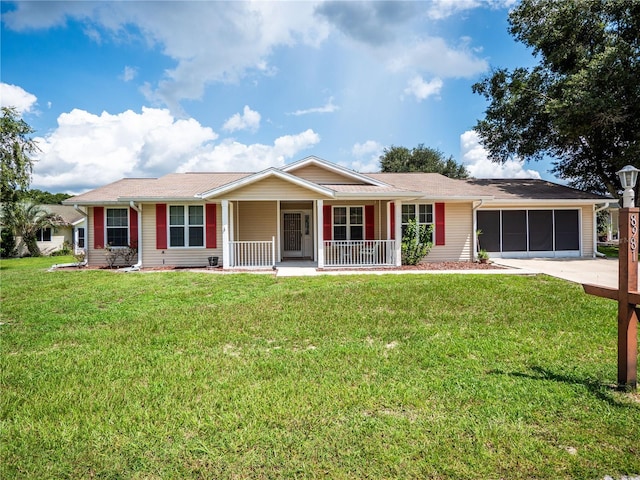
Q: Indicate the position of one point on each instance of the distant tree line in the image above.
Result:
(420, 159)
(41, 197)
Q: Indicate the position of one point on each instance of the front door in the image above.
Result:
(292, 245)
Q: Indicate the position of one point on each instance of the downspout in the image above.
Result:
(474, 210)
(138, 209)
(596, 253)
(80, 211)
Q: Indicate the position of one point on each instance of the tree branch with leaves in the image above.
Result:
(16, 148)
(580, 105)
(25, 221)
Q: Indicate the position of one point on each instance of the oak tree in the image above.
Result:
(16, 164)
(580, 104)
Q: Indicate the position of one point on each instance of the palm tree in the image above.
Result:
(25, 220)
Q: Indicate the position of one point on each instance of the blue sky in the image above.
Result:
(141, 89)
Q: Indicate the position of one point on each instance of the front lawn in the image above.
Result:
(610, 251)
(195, 375)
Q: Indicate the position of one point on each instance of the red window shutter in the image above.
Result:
(161, 226)
(98, 227)
(326, 222)
(369, 225)
(211, 225)
(133, 228)
(439, 223)
(392, 214)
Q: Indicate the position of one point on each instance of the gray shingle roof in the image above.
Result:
(530, 189)
(67, 214)
(432, 185)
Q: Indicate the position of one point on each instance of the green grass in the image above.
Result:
(609, 250)
(191, 375)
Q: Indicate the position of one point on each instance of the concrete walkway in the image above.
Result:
(597, 271)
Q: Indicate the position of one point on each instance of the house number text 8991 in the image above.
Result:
(633, 240)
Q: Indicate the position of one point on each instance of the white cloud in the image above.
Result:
(32, 15)
(209, 41)
(367, 156)
(329, 107)
(213, 42)
(475, 157)
(440, 9)
(129, 73)
(228, 155)
(421, 89)
(249, 120)
(370, 147)
(432, 55)
(86, 150)
(14, 96)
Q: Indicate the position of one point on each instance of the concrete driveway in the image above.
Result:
(597, 271)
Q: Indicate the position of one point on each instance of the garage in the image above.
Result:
(530, 232)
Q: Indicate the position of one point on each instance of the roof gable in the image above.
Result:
(317, 169)
(268, 173)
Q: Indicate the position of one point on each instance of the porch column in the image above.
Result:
(279, 230)
(225, 234)
(398, 231)
(320, 230)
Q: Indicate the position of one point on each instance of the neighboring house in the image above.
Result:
(73, 227)
(69, 229)
(609, 232)
(332, 216)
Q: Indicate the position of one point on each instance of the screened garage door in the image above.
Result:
(530, 232)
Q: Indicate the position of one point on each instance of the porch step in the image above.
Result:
(296, 271)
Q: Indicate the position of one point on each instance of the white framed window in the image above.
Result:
(44, 235)
(186, 226)
(81, 237)
(117, 227)
(348, 223)
(422, 213)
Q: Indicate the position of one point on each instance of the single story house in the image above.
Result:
(68, 229)
(332, 216)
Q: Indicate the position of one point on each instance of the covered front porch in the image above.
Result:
(267, 233)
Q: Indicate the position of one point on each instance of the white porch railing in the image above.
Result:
(252, 254)
(359, 253)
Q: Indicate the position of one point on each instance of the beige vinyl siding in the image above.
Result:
(296, 206)
(458, 234)
(458, 231)
(587, 215)
(322, 176)
(97, 257)
(256, 221)
(183, 257)
(585, 218)
(273, 188)
(94, 257)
